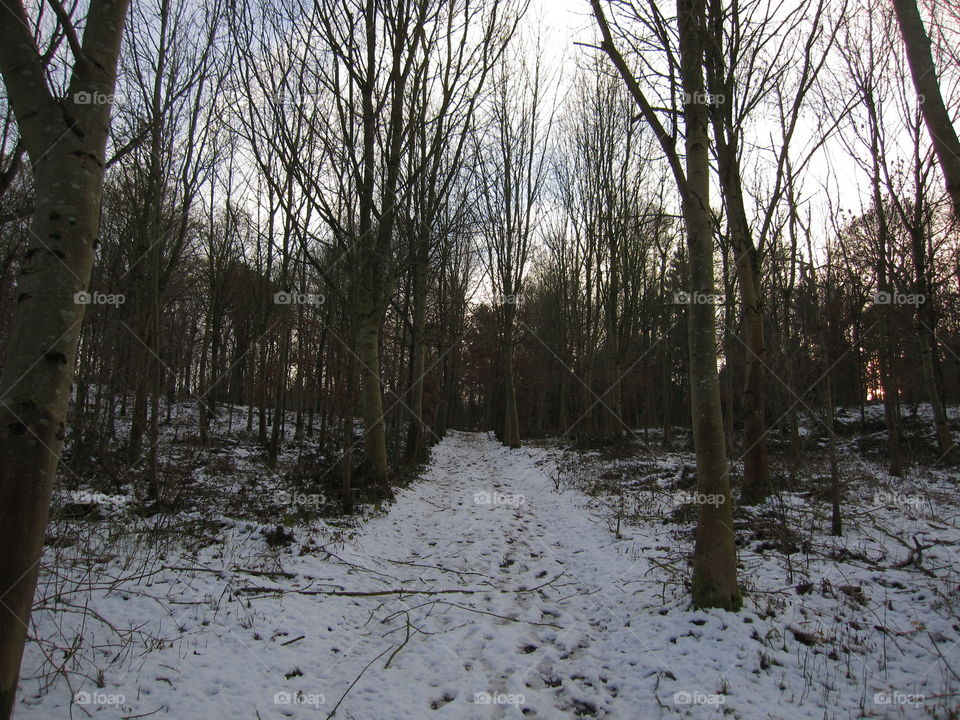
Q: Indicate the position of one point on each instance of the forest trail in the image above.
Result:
(542, 626)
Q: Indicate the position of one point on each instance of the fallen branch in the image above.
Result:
(915, 557)
(398, 591)
(357, 593)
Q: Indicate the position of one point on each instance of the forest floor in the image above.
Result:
(544, 582)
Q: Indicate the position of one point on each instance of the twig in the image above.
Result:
(355, 681)
(502, 617)
(401, 645)
(152, 712)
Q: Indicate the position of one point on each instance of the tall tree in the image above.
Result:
(65, 139)
(715, 553)
(512, 167)
(925, 80)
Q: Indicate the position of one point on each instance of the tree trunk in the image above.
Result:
(279, 413)
(935, 115)
(925, 323)
(756, 466)
(66, 144)
(715, 553)
(836, 521)
(511, 422)
(414, 447)
(375, 439)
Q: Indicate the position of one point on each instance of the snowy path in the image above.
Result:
(493, 520)
(516, 603)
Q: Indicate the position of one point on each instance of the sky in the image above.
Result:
(565, 22)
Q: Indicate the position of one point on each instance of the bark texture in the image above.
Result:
(65, 140)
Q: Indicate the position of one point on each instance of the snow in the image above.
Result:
(492, 588)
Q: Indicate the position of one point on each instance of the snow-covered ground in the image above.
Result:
(495, 588)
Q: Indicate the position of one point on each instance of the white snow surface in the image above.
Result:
(516, 603)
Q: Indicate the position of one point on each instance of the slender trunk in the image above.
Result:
(836, 522)
(715, 553)
(203, 411)
(756, 466)
(414, 447)
(138, 420)
(511, 428)
(925, 324)
(511, 423)
(945, 445)
(727, 349)
(279, 399)
(375, 439)
(890, 391)
(262, 394)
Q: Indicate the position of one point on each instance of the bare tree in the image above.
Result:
(65, 139)
(715, 555)
(512, 168)
(925, 80)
